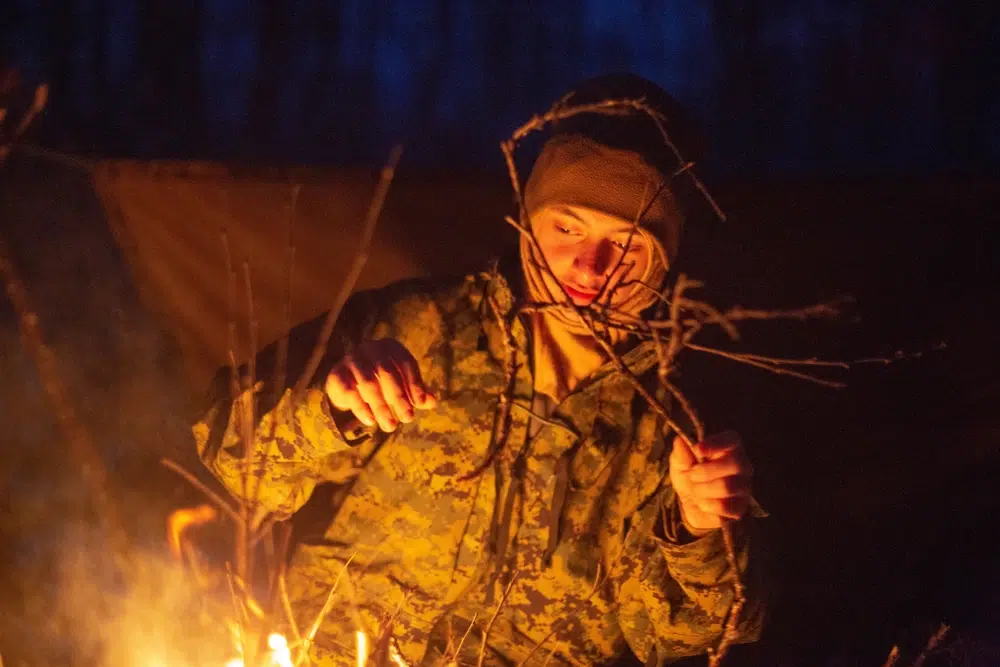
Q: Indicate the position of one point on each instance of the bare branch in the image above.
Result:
(501, 419)
(932, 644)
(281, 357)
(828, 309)
(211, 495)
(756, 361)
(374, 211)
(893, 657)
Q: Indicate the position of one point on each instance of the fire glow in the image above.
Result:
(281, 655)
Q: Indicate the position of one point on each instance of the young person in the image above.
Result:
(600, 526)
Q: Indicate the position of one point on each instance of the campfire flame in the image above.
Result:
(362, 648)
(281, 654)
(182, 519)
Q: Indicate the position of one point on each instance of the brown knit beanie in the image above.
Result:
(618, 164)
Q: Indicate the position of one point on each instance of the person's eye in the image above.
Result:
(626, 246)
(565, 230)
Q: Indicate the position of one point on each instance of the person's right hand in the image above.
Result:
(380, 383)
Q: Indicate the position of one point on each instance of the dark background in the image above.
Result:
(803, 87)
(855, 146)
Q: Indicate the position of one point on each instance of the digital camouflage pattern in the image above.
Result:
(586, 496)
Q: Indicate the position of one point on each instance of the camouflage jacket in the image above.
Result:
(580, 509)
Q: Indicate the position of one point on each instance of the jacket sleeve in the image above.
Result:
(678, 592)
(294, 439)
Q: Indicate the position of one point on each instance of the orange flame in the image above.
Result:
(182, 519)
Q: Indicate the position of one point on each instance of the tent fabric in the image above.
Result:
(170, 218)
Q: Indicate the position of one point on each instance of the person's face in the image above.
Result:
(586, 249)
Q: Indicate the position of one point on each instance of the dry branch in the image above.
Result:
(211, 495)
(374, 210)
(932, 644)
(686, 318)
(281, 357)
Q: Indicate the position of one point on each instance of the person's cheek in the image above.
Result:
(556, 256)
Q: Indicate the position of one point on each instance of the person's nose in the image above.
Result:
(596, 259)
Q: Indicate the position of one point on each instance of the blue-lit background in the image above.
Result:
(812, 87)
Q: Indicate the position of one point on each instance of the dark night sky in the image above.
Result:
(812, 87)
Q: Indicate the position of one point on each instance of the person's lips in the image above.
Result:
(579, 294)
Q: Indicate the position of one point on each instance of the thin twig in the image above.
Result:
(777, 361)
(771, 367)
(281, 358)
(243, 427)
(38, 103)
(713, 316)
(37, 106)
(211, 495)
(489, 626)
(374, 211)
(827, 309)
(561, 111)
(252, 488)
(730, 633)
(932, 644)
(461, 642)
(502, 417)
(327, 606)
(893, 657)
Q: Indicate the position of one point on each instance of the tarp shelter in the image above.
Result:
(170, 219)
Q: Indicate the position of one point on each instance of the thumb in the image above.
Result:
(421, 397)
(427, 400)
(681, 456)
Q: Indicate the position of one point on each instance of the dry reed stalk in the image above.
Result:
(242, 392)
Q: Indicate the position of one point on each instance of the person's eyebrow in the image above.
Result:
(568, 212)
(629, 230)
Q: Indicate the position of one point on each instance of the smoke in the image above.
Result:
(63, 599)
(144, 613)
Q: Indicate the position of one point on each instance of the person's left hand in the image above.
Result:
(717, 488)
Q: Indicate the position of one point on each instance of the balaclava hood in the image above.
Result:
(620, 165)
